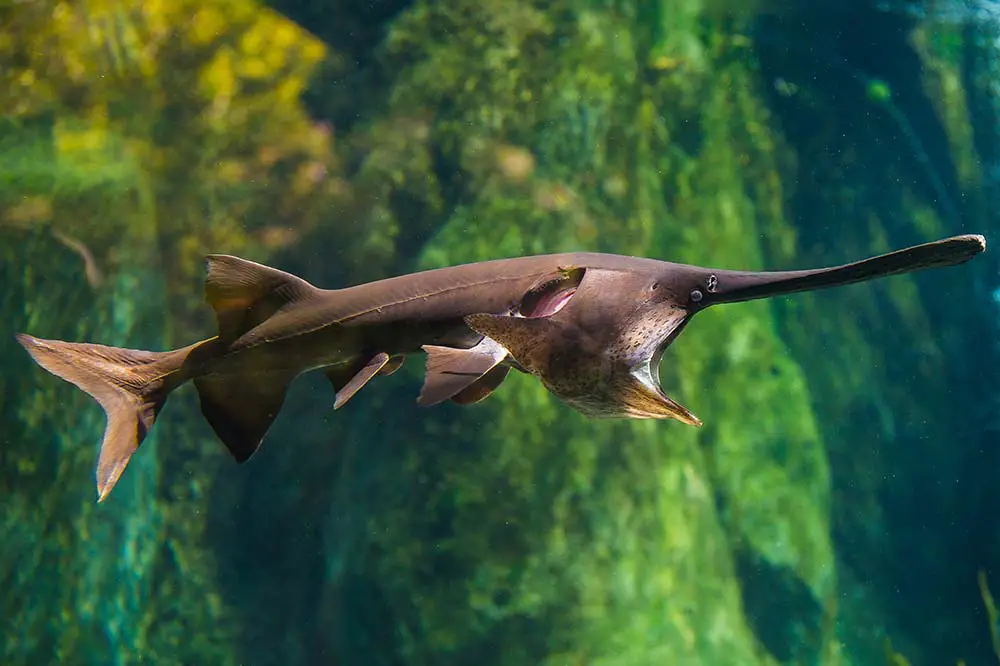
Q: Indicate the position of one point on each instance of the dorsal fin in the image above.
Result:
(244, 293)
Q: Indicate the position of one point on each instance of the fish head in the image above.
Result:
(599, 350)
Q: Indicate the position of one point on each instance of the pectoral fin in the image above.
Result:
(481, 389)
(450, 371)
(348, 380)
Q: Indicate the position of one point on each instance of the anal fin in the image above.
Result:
(241, 408)
(449, 370)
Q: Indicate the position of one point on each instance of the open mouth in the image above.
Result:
(661, 347)
(650, 401)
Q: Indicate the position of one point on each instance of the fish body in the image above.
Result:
(592, 327)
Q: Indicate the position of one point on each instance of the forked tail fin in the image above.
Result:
(130, 385)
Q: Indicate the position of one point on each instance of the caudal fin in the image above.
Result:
(130, 385)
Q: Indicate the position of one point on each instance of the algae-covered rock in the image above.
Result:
(905, 361)
(84, 583)
(136, 137)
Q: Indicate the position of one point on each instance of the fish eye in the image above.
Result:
(696, 296)
(654, 286)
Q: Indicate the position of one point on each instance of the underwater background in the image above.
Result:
(841, 504)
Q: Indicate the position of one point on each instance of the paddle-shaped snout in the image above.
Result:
(726, 286)
(599, 346)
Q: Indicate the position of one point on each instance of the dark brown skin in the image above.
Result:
(591, 327)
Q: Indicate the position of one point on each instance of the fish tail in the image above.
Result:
(130, 385)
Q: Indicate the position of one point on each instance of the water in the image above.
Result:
(838, 507)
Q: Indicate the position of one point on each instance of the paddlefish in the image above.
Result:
(591, 327)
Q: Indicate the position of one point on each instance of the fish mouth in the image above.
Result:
(671, 333)
(645, 398)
